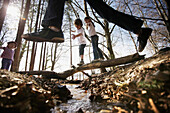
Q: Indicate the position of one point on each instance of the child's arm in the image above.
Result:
(73, 30)
(74, 36)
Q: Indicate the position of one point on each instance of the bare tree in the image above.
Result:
(21, 26)
(3, 12)
(54, 55)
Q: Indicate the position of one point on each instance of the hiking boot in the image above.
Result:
(46, 35)
(81, 63)
(143, 37)
(95, 60)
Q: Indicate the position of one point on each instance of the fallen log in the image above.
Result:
(101, 64)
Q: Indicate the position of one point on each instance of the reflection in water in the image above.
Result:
(80, 100)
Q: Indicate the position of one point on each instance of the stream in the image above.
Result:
(81, 101)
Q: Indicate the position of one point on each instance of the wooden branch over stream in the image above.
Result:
(101, 64)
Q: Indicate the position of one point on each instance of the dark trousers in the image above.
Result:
(96, 51)
(81, 49)
(55, 9)
(54, 13)
(6, 63)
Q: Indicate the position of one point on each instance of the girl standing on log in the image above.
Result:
(81, 38)
(8, 54)
(94, 39)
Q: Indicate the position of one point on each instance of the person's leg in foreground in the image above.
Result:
(123, 20)
(51, 23)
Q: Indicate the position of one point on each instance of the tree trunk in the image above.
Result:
(33, 54)
(109, 42)
(53, 57)
(3, 12)
(102, 64)
(21, 26)
(42, 46)
(85, 8)
(43, 63)
(168, 24)
(26, 60)
(34, 49)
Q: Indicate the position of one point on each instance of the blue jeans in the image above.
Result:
(55, 11)
(96, 51)
(6, 63)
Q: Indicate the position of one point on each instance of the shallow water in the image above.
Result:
(81, 100)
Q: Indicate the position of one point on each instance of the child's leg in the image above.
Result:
(100, 53)
(6, 63)
(81, 52)
(94, 40)
(9, 64)
(82, 57)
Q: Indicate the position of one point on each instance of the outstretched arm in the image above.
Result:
(74, 36)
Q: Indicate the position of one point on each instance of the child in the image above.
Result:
(94, 38)
(81, 38)
(8, 54)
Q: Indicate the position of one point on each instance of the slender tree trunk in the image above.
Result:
(26, 60)
(34, 49)
(54, 58)
(85, 8)
(42, 9)
(109, 42)
(32, 57)
(168, 6)
(43, 63)
(22, 51)
(30, 30)
(21, 26)
(3, 12)
(42, 46)
(46, 59)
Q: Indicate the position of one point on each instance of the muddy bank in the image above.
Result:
(143, 86)
(27, 94)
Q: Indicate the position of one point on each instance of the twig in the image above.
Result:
(153, 106)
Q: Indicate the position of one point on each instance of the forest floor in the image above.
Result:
(142, 86)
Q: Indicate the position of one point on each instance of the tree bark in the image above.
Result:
(102, 64)
(3, 12)
(34, 49)
(109, 42)
(21, 26)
